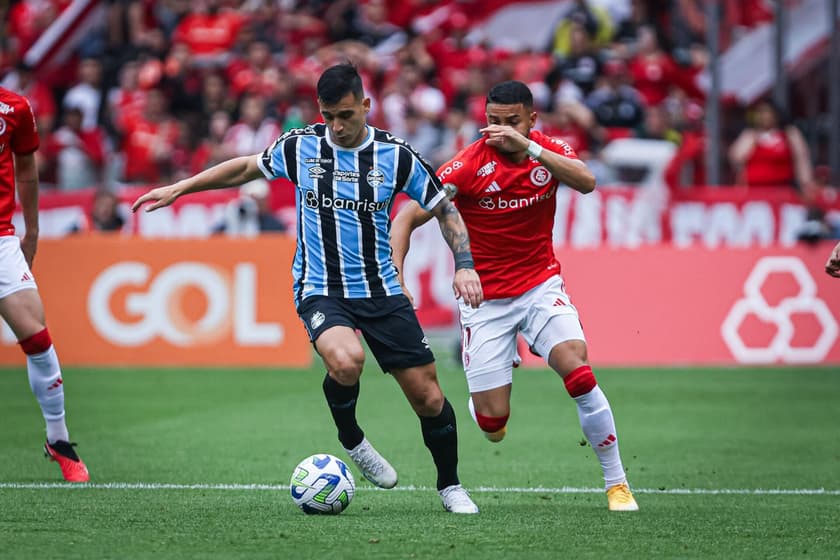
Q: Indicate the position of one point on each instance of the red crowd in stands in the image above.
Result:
(163, 89)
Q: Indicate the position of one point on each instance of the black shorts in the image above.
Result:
(389, 325)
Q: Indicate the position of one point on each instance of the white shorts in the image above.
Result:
(14, 272)
(545, 317)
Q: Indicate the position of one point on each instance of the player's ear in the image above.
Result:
(532, 119)
(366, 104)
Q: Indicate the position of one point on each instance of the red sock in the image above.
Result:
(580, 381)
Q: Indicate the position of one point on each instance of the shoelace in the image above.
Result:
(369, 462)
(457, 496)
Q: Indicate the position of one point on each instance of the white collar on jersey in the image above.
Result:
(360, 147)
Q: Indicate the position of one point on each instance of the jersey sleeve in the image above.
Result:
(556, 145)
(25, 138)
(275, 160)
(455, 171)
(423, 185)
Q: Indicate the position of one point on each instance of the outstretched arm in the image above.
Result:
(410, 217)
(229, 173)
(466, 283)
(832, 267)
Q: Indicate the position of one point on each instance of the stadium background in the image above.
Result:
(673, 261)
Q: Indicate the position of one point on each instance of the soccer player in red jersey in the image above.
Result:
(20, 303)
(504, 186)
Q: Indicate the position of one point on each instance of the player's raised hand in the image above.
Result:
(468, 286)
(161, 196)
(505, 138)
(832, 266)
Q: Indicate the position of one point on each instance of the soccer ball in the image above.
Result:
(322, 484)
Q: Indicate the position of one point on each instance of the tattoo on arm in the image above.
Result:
(454, 233)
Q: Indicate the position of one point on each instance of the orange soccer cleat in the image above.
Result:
(620, 498)
(72, 467)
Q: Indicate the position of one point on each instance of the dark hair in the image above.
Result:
(510, 93)
(782, 118)
(337, 81)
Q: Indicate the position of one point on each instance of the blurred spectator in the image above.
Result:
(256, 73)
(372, 27)
(250, 214)
(583, 18)
(616, 104)
(106, 214)
(24, 82)
(76, 155)
(657, 126)
(582, 66)
(215, 95)
(652, 69)
(28, 20)
(254, 131)
(87, 93)
(572, 122)
(688, 166)
(209, 31)
(149, 142)
(459, 131)
(133, 26)
(770, 151)
(420, 134)
(410, 92)
(211, 150)
(126, 100)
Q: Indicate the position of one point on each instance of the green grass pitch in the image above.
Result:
(195, 464)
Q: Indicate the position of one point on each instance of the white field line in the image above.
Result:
(409, 488)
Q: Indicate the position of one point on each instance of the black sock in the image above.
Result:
(440, 435)
(342, 401)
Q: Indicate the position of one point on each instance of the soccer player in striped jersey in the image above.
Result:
(347, 174)
(20, 303)
(505, 185)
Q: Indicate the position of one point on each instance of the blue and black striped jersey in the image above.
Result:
(344, 198)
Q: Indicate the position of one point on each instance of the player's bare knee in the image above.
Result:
(568, 356)
(346, 366)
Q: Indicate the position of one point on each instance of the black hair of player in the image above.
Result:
(337, 81)
(511, 92)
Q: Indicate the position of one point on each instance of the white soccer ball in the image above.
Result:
(322, 484)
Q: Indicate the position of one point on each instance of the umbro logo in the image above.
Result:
(493, 187)
(316, 320)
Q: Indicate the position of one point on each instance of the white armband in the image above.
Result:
(534, 150)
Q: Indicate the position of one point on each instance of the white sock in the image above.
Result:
(598, 426)
(47, 386)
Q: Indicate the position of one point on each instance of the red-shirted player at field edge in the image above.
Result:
(504, 185)
(20, 303)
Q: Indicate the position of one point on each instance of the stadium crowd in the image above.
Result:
(164, 89)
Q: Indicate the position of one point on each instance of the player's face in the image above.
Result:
(515, 116)
(346, 120)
